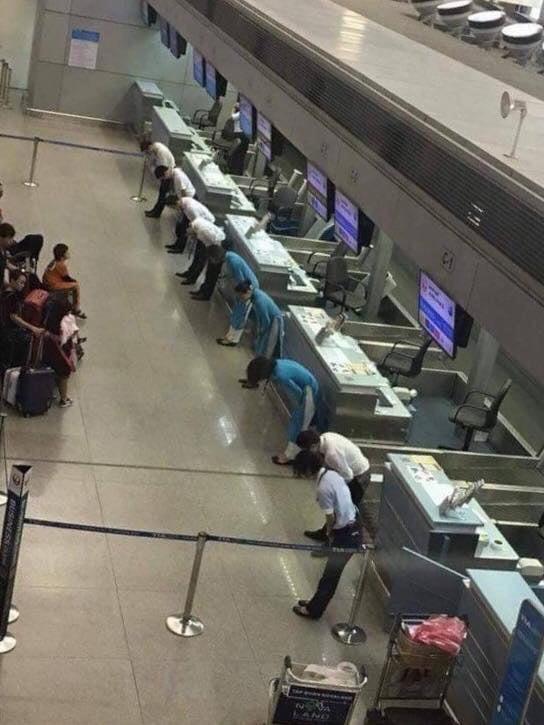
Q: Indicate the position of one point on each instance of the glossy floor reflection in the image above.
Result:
(160, 437)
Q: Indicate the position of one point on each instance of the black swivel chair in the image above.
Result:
(204, 118)
(407, 364)
(479, 417)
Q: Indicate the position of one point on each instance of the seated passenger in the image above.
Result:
(268, 317)
(299, 385)
(57, 279)
(55, 354)
(158, 154)
(207, 235)
(190, 209)
(15, 332)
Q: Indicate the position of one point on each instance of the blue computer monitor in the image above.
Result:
(247, 118)
(178, 44)
(264, 136)
(149, 14)
(165, 32)
(346, 221)
(437, 314)
(320, 192)
(199, 68)
(211, 80)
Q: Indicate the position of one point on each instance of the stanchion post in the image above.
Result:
(139, 196)
(30, 182)
(348, 632)
(12, 533)
(186, 624)
(3, 417)
(7, 88)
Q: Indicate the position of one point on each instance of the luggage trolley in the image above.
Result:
(414, 681)
(295, 699)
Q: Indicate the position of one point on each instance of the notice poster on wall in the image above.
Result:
(84, 48)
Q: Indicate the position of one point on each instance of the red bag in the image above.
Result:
(34, 307)
(445, 633)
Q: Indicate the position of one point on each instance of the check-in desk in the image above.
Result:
(169, 128)
(146, 95)
(491, 603)
(214, 188)
(414, 487)
(276, 270)
(359, 401)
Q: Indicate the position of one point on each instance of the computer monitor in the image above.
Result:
(437, 314)
(264, 136)
(247, 118)
(352, 226)
(178, 44)
(199, 68)
(216, 84)
(165, 32)
(149, 14)
(320, 192)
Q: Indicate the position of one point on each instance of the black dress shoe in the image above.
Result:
(276, 460)
(171, 246)
(187, 281)
(318, 535)
(301, 611)
(200, 298)
(175, 250)
(152, 214)
(225, 343)
(183, 275)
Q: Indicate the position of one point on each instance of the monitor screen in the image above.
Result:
(246, 118)
(320, 192)
(437, 314)
(165, 32)
(264, 136)
(211, 80)
(346, 221)
(199, 68)
(149, 14)
(178, 44)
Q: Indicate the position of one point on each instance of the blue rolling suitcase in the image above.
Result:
(35, 388)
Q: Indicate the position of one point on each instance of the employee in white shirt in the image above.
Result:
(180, 183)
(341, 523)
(207, 235)
(344, 457)
(158, 154)
(190, 209)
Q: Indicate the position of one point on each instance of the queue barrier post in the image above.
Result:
(186, 624)
(10, 545)
(139, 197)
(3, 416)
(348, 632)
(31, 183)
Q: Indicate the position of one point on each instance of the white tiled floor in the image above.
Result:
(160, 437)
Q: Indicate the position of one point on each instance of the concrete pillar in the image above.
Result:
(485, 357)
(383, 250)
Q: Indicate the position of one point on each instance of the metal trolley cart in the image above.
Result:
(298, 700)
(414, 681)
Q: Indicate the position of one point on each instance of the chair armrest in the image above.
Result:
(462, 407)
(402, 342)
(476, 392)
(197, 113)
(316, 265)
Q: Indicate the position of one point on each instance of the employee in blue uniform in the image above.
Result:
(299, 385)
(268, 318)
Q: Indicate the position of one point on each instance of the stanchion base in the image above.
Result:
(3, 498)
(7, 644)
(348, 634)
(31, 184)
(138, 198)
(190, 627)
(13, 614)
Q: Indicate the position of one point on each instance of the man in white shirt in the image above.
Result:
(190, 209)
(158, 154)
(344, 457)
(207, 235)
(341, 525)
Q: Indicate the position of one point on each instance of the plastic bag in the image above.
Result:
(445, 633)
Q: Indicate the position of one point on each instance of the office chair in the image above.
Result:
(479, 417)
(338, 287)
(397, 363)
(204, 118)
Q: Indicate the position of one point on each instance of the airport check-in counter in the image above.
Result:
(276, 270)
(214, 188)
(491, 602)
(359, 401)
(169, 128)
(414, 487)
(146, 95)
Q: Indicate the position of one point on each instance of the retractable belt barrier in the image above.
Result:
(37, 140)
(185, 624)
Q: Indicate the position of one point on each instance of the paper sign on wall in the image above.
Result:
(84, 48)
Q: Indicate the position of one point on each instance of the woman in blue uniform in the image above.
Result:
(299, 385)
(240, 273)
(268, 317)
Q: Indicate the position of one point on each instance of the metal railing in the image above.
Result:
(30, 181)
